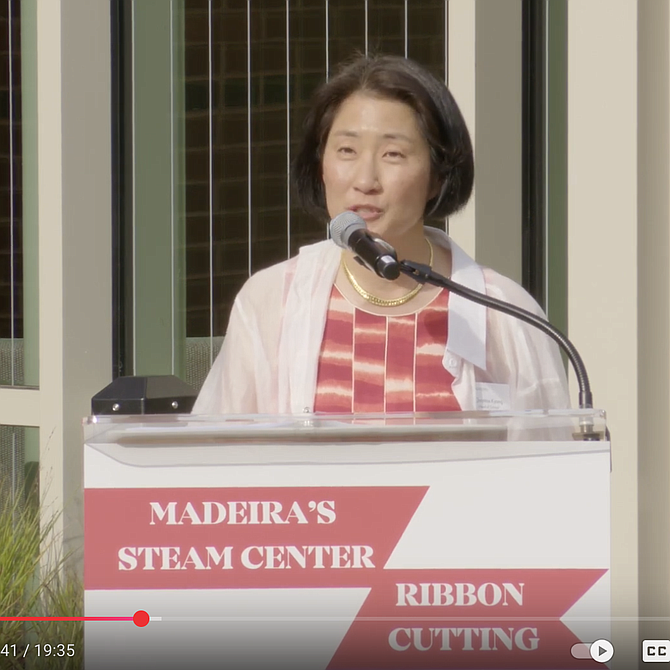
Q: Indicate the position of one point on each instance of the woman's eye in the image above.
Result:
(394, 154)
(345, 150)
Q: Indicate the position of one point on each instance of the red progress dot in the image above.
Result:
(140, 618)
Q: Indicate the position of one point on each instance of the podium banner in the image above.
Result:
(346, 556)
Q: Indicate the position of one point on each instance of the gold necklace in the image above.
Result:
(384, 302)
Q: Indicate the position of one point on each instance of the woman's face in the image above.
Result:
(376, 162)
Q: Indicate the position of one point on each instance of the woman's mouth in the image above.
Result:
(367, 212)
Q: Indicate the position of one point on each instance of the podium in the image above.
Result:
(460, 540)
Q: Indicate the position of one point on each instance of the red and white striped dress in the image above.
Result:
(373, 363)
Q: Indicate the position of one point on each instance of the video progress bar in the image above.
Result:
(455, 619)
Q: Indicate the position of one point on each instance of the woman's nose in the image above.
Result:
(367, 176)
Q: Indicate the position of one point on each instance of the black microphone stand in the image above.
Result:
(425, 275)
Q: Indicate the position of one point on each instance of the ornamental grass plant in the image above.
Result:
(35, 584)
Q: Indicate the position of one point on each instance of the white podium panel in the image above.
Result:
(339, 545)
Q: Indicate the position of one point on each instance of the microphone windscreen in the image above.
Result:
(343, 225)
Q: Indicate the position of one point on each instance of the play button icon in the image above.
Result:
(601, 651)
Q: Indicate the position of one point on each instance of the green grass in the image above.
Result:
(32, 586)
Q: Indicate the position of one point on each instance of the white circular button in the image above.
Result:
(602, 651)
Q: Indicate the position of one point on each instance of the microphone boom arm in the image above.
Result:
(425, 275)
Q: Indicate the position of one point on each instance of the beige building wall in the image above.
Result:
(603, 238)
(484, 74)
(618, 255)
(653, 276)
(72, 187)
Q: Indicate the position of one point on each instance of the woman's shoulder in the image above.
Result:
(503, 288)
(467, 271)
(269, 284)
(264, 285)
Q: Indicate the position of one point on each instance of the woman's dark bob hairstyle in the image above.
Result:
(438, 115)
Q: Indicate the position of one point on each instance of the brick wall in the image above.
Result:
(232, 225)
(266, 227)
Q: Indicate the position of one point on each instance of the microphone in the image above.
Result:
(348, 230)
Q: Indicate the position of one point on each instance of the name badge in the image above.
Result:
(492, 397)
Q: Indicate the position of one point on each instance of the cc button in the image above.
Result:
(656, 651)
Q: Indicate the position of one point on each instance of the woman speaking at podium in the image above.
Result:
(321, 333)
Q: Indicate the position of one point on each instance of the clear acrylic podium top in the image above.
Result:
(444, 435)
